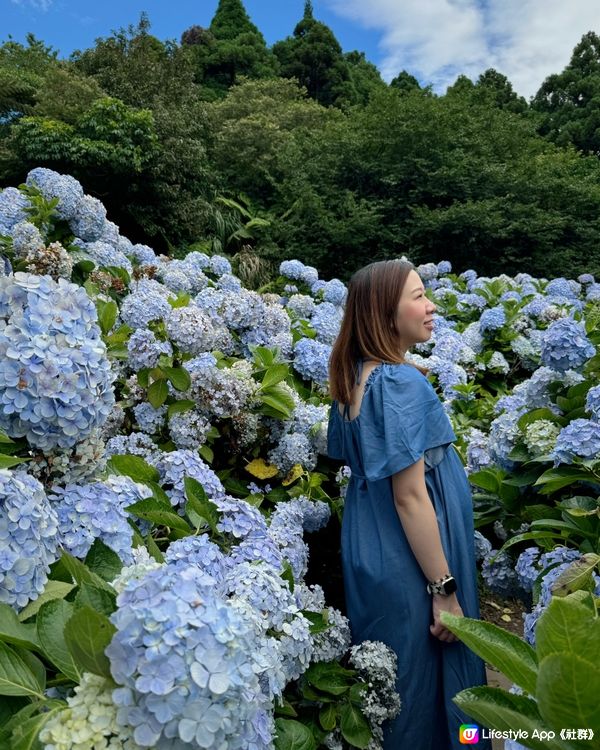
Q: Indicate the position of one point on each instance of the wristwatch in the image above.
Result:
(444, 586)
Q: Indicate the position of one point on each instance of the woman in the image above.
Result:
(407, 531)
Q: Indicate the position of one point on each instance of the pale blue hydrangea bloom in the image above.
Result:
(198, 260)
(301, 305)
(55, 377)
(230, 283)
(293, 448)
(562, 287)
(28, 538)
(503, 437)
(593, 293)
(527, 567)
(586, 278)
(592, 402)
(143, 254)
(89, 220)
(427, 271)
(97, 511)
(326, 320)
(581, 438)
(492, 320)
(478, 456)
(176, 465)
(315, 513)
(295, 269)
(187, 663)
(218, 265)
(500, 576)
(144, 349)
(104, 255)
(62, 186)
(335, 291)
(12, 208)
(444, 266)
(311, 360)
(235, 309)
(199, 551)
(189, 429)
(483, 546)
(26, 238)
(194, 332)
(149, 419)
(136, 444)
(565, 345)
(146, 301)
(286, 529)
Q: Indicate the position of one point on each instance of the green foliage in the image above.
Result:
(560, 679)
(569, 102)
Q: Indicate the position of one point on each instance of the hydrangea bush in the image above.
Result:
(164, 434)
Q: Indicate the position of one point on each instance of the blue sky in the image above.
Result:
(435, 40)
(72, 24)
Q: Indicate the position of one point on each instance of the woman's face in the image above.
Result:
(414, 313)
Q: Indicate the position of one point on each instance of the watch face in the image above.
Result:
(450, 586)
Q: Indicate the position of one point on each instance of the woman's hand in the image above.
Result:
(444, 604)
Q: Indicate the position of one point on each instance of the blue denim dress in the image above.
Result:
(401, 419)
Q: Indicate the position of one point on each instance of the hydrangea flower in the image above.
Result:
(301, 305)
(189, 429)
(146, 301)
(540, 436)
(194, 332)
(136, 444)
(176, 465)
(55, 378)
(28, 538)
(97, 511)
(12, 208)
(88, 721)
(293, 448)
(592, 402)
(477, 451)
(581, 438)
(144, 349)
(311, 359)
(483, 546)
(565, 345)
(335, 291)
(26, 238)
(187, 663)
(149, 419)
(89, 219)
(500, 576)
(326, 320)
(62, 186)
(286, 529)
(492, 320)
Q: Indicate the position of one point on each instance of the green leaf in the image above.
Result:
(179, 377)
(180, 406)
(507, 652)
(104, 561)
(52, 590)
(555, 479)
(328, 717)
(276, 401)
(6, 462)
(487, 479)
(15, 632)
(199, 506)
(329, 677)
(16, 676)
(134, 467)
(149, 510)
(158, 392)
(99, 599)
(577, 576)
(567, 625)
(354, 727)
(498, 709)
(81, 573)
(25, 734)
(274, 374)
(51, 621)
(87, 634)
(292, 735)
(107, 314)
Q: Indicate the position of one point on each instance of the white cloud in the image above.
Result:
(37, 4)
(436, 40)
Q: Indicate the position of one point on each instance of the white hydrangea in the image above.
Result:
(540, 436)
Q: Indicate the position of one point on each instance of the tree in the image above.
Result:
(22, 73)
(497, 90)
(404, 81)
(314, 57)
(234, 48)
(569, 102)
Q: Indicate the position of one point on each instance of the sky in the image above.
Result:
(435, 40)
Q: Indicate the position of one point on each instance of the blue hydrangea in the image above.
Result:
(104, 254)
(326, 320)
(565, 345)
(12, 208)
(335, 291)
(483, 546)
(97, 511)
(471, 301)
(293, 448)
(562, 287)
(592, 402)
(143, 255)
(55, 378)
(218, 265)
(146, 301)
(89, 220)
(427, 271)
(136, 444)
(189, 429)
(149, 419)
(176, 465)
(62, 186)
(586, 278)
(527, 567)
(286, 529)
(311, 360)
(187, 663)
(200, 552)
(315, 513)
(28, 538)
(144, 349)
(295, 269)
(581, 437)
(301, 305)
(230, 283)
(444, 266)
(500, 576)
(235, 309)
(492, 320)
(180, 277)
(194, 332)
(198, 260)
(26, 239)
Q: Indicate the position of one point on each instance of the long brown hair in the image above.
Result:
(368, 328)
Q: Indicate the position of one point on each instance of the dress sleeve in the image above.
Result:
(335, 439)
(401, 416)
